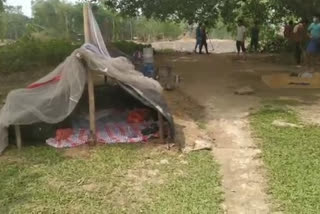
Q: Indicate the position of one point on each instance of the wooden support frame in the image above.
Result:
(163, 140)
(91, 87)
(162, 130)
(92, 109)
(17, 130)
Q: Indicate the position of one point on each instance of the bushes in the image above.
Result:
(27, 54)
(273, 42)
(277, 44)
(129, 47)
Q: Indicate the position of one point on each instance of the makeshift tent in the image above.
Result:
(54, 97)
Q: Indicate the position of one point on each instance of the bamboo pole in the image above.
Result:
(161, 129)
(18, 136)
(90, 78)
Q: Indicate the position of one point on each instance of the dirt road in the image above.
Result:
(187, 45)
(209, 83)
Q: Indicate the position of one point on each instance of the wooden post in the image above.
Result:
(161, 131)
(131, 29)
(90, 77)
(18, 136)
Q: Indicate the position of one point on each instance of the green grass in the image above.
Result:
(166, 51)
(129, 47)
(32, 54)
(202, 124)
(292, 158)
(109, 179)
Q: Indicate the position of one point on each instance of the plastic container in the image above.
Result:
(148, 55)
(148, 70)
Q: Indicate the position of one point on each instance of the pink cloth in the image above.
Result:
(37, 85)
(108, 134)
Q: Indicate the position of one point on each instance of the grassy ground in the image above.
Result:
(292, 158)
(110, 179)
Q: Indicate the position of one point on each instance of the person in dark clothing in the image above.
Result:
(300, 36)
(288, 30)
(204, 40)
(288, 35)
(198, 37)
(255, 31)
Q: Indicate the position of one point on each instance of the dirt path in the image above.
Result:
(187, 45)
(210, 82)
(241, 167)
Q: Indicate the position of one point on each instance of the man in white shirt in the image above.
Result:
(241, 37)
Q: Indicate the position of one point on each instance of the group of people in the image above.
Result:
(201, 38)
(306, 37)
(242, 36)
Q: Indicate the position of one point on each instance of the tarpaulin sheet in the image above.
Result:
(55, 100)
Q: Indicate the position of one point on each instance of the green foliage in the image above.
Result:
(108, 179)
(292, 158)
(13, 23)
(220, 31)
(58, 18)
(298, 8)
(276, 44)
(2, 5)
(129, 47)
(151, 29)
(27, 54)
(249, 11)
(191, 11)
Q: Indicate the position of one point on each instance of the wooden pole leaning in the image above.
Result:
(92, 108)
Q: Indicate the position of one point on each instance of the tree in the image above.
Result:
(53, 15)
(2, 5)
(301, 9)
(14, 22)
(191, 11)
(1, 19)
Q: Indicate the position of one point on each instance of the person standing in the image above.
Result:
(204, 40)
(313, 49)
(300, 37)
(255, 31)
(288, 30)
(241, 37)
(198, 37)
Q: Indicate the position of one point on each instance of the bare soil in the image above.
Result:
(188, 45)
(206, 106)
